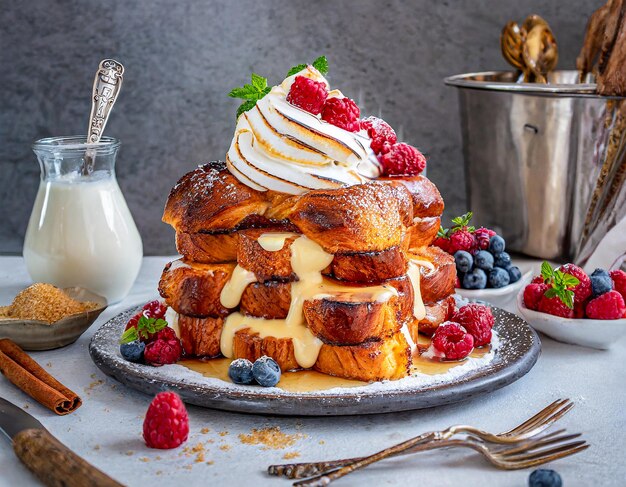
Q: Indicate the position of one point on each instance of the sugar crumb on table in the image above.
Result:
(271, 438)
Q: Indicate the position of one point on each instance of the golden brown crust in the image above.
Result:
(252, 346)
(365, 217)
(368, 267)
(208, 248)
(270, 299)
(436, 314)
(427, 200)
(388, 359)
(266, 265)
(424, 231)
(200, 336)
(194, 289)
(438, 283)
(210, 198)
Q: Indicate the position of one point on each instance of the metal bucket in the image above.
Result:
(545, 165)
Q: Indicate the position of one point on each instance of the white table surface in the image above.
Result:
(106, 430)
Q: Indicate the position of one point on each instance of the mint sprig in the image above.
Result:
(443, 232)
(463, 222)
(145, 327)
(560, 283)
(251, 93)
(321, 64)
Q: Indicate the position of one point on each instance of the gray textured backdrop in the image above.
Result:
(182, 58)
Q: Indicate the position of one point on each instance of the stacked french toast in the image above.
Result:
(304, 246)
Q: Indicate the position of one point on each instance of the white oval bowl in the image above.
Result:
(600, 334)
(502, 297)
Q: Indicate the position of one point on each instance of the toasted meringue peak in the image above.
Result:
(280, 147)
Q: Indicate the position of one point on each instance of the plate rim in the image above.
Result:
(326, 404)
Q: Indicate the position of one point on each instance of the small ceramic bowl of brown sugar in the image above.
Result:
(43, 317)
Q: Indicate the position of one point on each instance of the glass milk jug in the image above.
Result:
(81, 232)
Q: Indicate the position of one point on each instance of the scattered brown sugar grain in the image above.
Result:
(44, 302)
(272, 438)
(291, 455)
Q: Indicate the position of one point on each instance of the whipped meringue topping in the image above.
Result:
(280, 147)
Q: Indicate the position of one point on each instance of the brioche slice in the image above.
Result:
(200, 336)
(247, 344)
(269, 299)
(267, 264)
(436, 313)
(437, 273)
(194, 289)
(423, 232)
(364, 217)
(354, 267)
(425, 196)
(388, 359)
(371, 361)
(208, 248)
(210, 198)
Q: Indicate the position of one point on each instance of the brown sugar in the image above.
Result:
(44, 302)
(272, 438)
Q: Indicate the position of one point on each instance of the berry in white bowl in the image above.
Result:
(571, 307)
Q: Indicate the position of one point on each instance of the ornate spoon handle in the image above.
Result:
(106, 87)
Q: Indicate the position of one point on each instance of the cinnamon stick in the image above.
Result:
(30, 377)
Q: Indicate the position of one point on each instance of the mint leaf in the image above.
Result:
(147, 326)
(443, 232)
(570, 281)
(559, 284)
(551, 293)
(546, 271)
(252, 92)
(321, 64)
(295, 69)
(462, 222)
(129, 335)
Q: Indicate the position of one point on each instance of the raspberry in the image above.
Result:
(443, 243)
(619, 280)
(166, 334)
(308, 94)
(381, 133)
(155, 309)
(554, 306)
(607, 306)
(453, 341)
(583, 290)
(477, 320)
(533, 294)
(343, 113)
(402, 160)
(161, 352)
(538, 280)
(482, 236)
(132, 323)
(167, 423)
(462, 240)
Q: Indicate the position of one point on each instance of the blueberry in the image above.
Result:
(502, 260)
(496, 244)
(484, 260)
(544, 477)
(464, 261)
(240, 371)
(601, 282)
(477, 279)
(266, 371)
(514, 274)
(499, 277)
(133, 351)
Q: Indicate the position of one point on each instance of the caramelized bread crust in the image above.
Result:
(427, 200)
(438, 283)
(371, 361)
(194, 289)
(365, 217)
(210, 198)
(251, 346)
(388, 359)
(369, 267)
(267, 265)
(208, 248)
(200, 336)
(269, 299)
(436, 313)
(423, 232)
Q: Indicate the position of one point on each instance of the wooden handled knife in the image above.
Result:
(51, 461)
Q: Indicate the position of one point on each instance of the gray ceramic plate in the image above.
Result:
(516, 355)
(39, 335)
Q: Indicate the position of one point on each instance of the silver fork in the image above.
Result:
(510, 457)
(528, 429)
